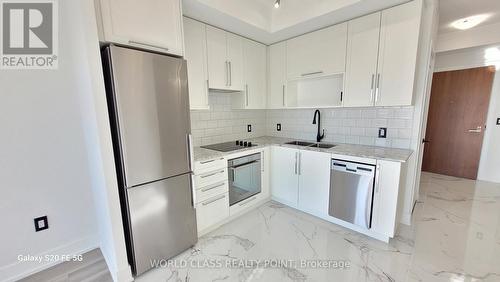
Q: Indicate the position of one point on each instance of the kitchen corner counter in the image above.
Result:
(379, 153)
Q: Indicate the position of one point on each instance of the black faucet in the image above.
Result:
(318, 136)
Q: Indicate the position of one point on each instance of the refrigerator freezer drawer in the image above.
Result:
(162, 219)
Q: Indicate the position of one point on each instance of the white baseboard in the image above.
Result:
(19, 269)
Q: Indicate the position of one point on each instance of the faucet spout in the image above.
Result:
(319, 136)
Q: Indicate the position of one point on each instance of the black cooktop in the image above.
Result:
(230, 146)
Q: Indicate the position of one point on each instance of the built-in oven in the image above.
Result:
(244, 177)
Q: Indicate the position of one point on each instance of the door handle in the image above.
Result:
(377, 88)
(425, 141)
(479, 129)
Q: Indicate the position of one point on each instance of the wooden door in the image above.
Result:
(457, 117)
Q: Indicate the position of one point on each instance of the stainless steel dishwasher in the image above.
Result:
(351, 192)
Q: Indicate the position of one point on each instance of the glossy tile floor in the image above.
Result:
(455, 237)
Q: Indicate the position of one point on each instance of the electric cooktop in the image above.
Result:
(229, 146)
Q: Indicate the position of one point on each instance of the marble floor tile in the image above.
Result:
(455, 236)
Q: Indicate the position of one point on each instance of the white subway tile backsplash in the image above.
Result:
(352, 126)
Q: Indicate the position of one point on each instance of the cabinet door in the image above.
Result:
(398, 54)
(277, 76)
(218, 66)
(196, 56)
(385, 198)
(235, 59)
(150, 24)
(314, 182)
(212, 211)
(318, 53)
(284, 176)
(255, 70)
(361, 68)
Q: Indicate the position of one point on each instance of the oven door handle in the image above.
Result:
(243, 165)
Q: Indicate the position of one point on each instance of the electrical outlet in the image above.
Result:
(498, 121)
(382, 132)
(41, 223)
(249, 128)
(278, 127)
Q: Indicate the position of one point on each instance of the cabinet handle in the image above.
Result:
(377, 177)
(206, 162)
(377, 89)
(371, 88)
(245, 203)
(227, 73)
(246, 94)
(214, 200)
(147, 45)
(213, 187)
(283, 95)
(312, 73)
(300, 163)
(211, 174)
(230, 74)
(296, 162)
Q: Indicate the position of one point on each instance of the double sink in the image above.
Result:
(312, 145)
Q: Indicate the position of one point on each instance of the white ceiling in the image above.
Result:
(259, 20)
(452, 10)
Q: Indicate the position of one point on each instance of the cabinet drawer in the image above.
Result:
(201, 167)
(212, 211)
(243, 205)
(211, 177)
(207, 192)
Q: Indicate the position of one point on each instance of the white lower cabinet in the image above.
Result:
(388, 197)
(285, 177)
(212, 211)
(314, 182)
(301, 179)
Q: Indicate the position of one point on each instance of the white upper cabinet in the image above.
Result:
(277, 76)
(255, 74)
(196, 56)
(235, 60)
(361, 68)
(381, 57)
(398, 54)
(322, 52)
(149, 24)
(225, 60)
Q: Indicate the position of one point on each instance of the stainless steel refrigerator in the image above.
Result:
(148, 105)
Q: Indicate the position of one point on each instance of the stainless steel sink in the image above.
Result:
(300, 143)
(322, 145)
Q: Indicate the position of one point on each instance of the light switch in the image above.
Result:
(249, 128)
(278, 127)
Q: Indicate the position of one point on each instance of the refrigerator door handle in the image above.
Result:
(193, 190)
(190, 152)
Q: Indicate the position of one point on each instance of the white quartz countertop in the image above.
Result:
(379, 153)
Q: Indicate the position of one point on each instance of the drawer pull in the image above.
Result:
(214, 200)
(212, 174)
(207, 162)
(213, 187)
(312, 73)
(242, 204)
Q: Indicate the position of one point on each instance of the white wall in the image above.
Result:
(56, 156)
(474, 37)
(489, 165)
(43, 158)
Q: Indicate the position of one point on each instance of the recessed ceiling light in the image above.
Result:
(469, 22)
(277, 4)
